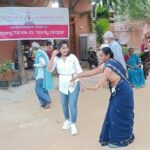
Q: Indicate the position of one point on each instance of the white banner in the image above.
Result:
(33, 23)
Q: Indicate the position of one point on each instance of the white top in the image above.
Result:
(117, 51)
(40, 65)
(66, 71)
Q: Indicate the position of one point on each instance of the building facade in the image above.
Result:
(80, 11)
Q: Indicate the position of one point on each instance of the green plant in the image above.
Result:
(4, 68)
(125, 50)
(102, 11)
(101, 27)
(133, 9)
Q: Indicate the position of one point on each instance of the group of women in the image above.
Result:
(117, 130)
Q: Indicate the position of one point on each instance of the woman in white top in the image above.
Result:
(67, 66)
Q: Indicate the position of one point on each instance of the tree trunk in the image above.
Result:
(72, 5)
(22, 77)
(21, 63)
(11, 3)
(61, 3)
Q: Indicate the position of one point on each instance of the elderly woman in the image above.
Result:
(117, 130)
(135, 72)
(43, 78)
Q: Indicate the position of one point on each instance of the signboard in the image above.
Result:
(20, 23)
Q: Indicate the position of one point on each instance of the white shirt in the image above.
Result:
(117, 51)
(66, 71)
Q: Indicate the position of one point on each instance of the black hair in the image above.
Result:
(60, 44)
(90, 48)
(107, 51)
(131, 49)
(49, 43)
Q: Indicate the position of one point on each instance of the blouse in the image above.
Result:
(66, 71)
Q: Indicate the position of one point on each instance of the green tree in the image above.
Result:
(102, 21)
(139, 10)
(129, 9)
(134, 9)
(101, 27)
(102, 11)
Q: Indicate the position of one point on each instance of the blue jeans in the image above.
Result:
(69, 102)
(42, 94)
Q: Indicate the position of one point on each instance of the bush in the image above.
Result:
(4, 68)
(101, 27)
(124, 50)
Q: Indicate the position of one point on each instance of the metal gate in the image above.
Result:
(86, 41)
(83, 48)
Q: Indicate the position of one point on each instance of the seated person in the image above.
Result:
(135, 71)
(92, 58)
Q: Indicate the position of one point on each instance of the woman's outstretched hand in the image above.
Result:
(92, 88)
(74, 78)
(83, 88)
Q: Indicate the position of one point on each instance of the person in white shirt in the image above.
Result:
(115, 47)
(67, 66)
(42, 76)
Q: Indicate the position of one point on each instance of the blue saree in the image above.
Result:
(118, 124)
(135, 74)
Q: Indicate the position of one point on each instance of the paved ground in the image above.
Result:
(24, 125)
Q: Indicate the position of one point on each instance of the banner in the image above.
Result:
(25, 23)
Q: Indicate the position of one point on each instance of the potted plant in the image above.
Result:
(4, 68)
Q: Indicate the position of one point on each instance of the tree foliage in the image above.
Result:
(139, 10)
(133, 9)
(129, 9)
(102, 11)
(101, 27)
(102, 22)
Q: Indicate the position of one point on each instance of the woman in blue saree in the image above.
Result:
(135, 72)
(117, 130)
